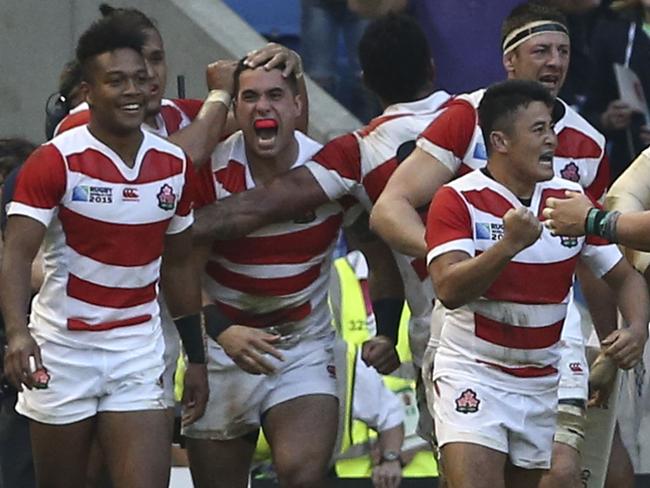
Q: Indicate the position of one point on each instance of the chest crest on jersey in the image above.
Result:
(568, 241)
(571, 172)
(166, 197)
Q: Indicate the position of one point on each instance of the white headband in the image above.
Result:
(522, 34)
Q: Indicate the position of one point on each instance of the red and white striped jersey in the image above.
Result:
(174, 115)
(361, 163)
(106, 225)
(515, 326)
(280, 273)
(456, 140)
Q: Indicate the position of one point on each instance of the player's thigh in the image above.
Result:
(516, 477)
(302, 433)
(620, 473)
(221, 463)
(565, 468)
(137, 447)
(60, 453)
(473, 466)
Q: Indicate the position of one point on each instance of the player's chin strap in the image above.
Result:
(525, 32)
(190, 328)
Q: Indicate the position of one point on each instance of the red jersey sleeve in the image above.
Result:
(203, 190)
(40, 186)
(596, 191)
(186, 202)
(451, 132)
(449, 225)
(189, 106)
(72, 120)
(337, 166)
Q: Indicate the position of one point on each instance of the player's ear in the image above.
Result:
(509, 62)
(297, 99)
(499, 141)
(84, 90)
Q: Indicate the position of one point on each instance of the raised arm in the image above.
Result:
(568, 216)
(459, 278)
(631, 193)
(286, 197)
(273, 54)
(395, 216)
(200, 138)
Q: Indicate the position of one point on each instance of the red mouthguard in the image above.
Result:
(266, 124)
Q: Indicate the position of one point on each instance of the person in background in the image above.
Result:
(88, 359)
(16, 465)
(496, 369)
(624, 40)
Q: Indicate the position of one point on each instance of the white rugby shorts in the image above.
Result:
(239, 399)
(84, 382)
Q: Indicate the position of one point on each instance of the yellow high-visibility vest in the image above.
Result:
(353, 310)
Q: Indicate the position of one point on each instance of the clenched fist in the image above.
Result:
(521, 228)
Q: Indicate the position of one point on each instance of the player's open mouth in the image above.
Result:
(131, 107)
(266, 130)
(549, 80)
(546, 159)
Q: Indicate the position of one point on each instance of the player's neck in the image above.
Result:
(500, 171)
(421, 94)
(125, 145)
(264, 170)
(151, 121)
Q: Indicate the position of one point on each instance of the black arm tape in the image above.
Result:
(388, 312)
(191, 331)
(215, 321)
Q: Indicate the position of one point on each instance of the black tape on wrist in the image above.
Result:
(191, 331)
(388, 312)
(215, 321)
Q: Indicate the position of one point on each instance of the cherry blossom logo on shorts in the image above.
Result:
(166, 197)
(467, 402)
(571, 172)
(41, 378)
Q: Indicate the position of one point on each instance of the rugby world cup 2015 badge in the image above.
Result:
(166, 197)
(467, 402)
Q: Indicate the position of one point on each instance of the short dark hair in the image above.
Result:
(13, 152)
(69, 78)
(105, 35)
(502, 100)
(136, 16)
(242, 66)
(395, 58)
(532, 11)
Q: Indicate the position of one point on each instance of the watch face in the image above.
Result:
(390, 456)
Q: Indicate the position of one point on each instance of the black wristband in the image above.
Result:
(215, 321)
(191, 331)
(388, 312)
